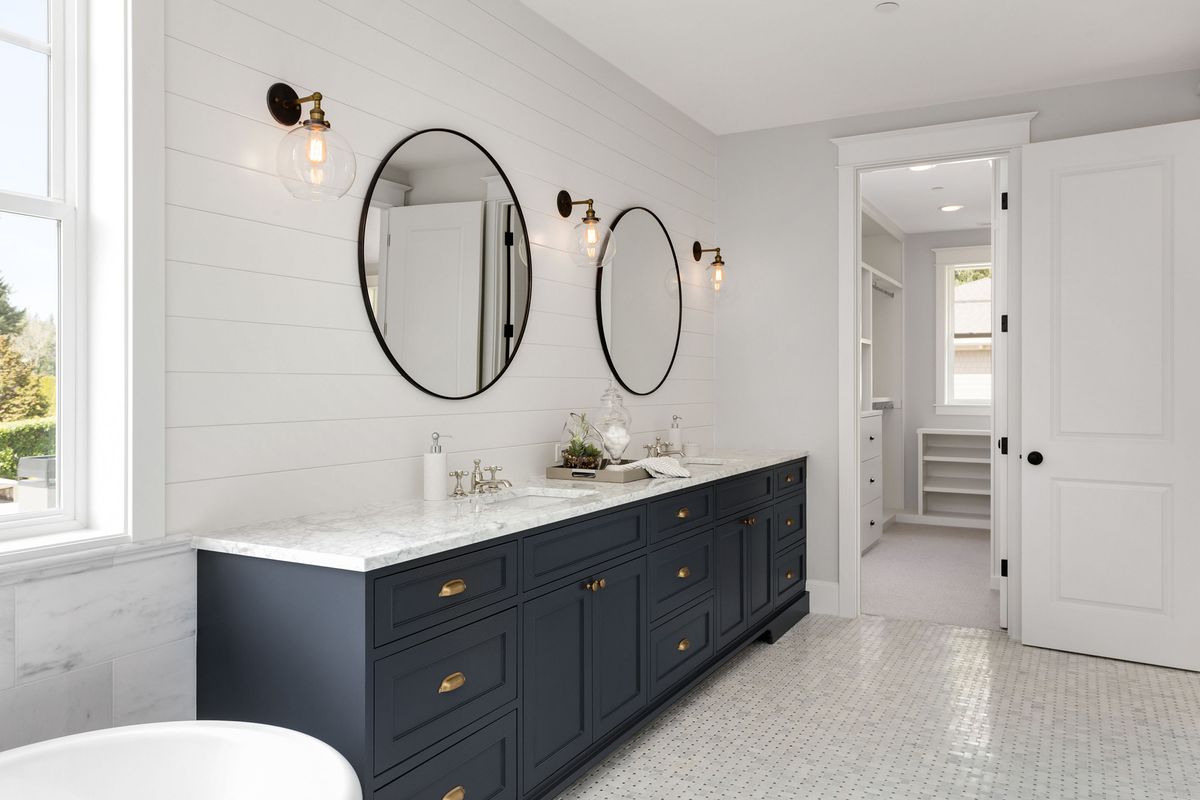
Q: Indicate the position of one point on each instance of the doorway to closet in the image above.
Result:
(928, 276)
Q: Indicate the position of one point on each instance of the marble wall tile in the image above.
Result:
(74, 621)
(58, 706)
(156, 685)
(8, 656)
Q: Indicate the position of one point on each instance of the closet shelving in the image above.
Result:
(955, 480)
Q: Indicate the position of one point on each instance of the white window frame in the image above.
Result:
(64, 204)
(946, 261)
(118, 413)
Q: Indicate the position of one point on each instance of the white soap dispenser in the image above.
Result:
(435, 471)
(675, 435)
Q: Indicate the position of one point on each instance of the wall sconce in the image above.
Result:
(716, 270)
(312, 161)
(593, 246)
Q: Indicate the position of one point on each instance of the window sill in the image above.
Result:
(962, 411)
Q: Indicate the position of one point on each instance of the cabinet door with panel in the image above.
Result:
(557, 688)
(619, 637)
(759, 564)
(732, 614)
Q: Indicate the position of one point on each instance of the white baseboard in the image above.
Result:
(822, 596)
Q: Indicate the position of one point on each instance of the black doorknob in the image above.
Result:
(1034, 457)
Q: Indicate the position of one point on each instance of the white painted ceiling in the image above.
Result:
(911, 201)
(738, 65)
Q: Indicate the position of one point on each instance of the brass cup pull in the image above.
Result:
(683, 645)
(452, 683)
(684, 572)
(451, 588)
(789, 478)
(789, 522)
(683, 513)
(789, 575)
(457, 793)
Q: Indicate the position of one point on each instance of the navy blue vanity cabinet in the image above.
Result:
(505, 670)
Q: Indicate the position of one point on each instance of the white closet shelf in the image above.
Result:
(959, 485)
(883, 276)
(959, 455)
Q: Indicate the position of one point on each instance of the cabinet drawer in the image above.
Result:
(681, 512)
(741, 493)
(420, 598)
(436, 688)
(680, 645)
(789, 477)
(790, 525)
(871, 431)
(680, 573)
(484, 765)
(790, 573)
(870, 480)
(871, 522)
(573, 548)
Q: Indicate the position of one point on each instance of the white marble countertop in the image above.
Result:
(368, 538)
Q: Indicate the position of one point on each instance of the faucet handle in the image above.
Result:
(651, 450)
(494, 469)
(458, 475)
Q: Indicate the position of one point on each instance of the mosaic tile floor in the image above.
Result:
(886, 708)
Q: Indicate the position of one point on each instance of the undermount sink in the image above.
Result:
(531, 497)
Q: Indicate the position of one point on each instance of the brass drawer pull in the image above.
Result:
(457, 793)
(683, 645)
(683, 513)
(452, 683)
(684, 572)
(789, 478)
(789, 575)
(451, 588)
(750, 521)
(595, 586)
(789, 522)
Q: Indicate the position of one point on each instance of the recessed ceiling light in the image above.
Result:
(887, 7)
(936, 188)
(922, 167)
(952, 208)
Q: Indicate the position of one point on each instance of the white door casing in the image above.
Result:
(1110, 543)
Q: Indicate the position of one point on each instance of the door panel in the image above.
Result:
(1109, 544)
(557, 691)
(619, 625)
(732, 615)
(760, 564)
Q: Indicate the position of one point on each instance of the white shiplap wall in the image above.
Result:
(279, 401)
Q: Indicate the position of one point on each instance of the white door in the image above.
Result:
(1110, 533)
(432, 293)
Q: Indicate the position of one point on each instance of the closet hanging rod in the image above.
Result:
(882, 290)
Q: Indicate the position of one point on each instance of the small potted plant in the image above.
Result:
(581, 450)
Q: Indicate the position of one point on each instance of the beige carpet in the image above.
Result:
(931, 573)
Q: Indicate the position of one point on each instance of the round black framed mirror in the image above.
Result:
(639, 303)
(444, 263)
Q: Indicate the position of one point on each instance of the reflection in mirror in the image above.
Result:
(639, 303)
(444, 263)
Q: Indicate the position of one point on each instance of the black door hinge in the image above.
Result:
(1004, 201)
(508, 238)
(509, 331)
(1003, 445)
(1004, 568)
(1004, 323)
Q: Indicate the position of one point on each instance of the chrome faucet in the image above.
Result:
(479, 485)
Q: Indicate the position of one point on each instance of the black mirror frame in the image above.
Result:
(600, 314)
(362, 263)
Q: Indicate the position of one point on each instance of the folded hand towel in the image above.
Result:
(662, 467)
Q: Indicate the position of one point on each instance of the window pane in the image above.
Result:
(25, 134)
(29, 257)
(27, 18)
(972, 365)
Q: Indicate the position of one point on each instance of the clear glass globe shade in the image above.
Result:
(594, 245)
(314, 163)
(718, 279)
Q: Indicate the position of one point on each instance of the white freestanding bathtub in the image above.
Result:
(202, 760)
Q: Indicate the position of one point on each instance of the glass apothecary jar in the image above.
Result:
(612, 421)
